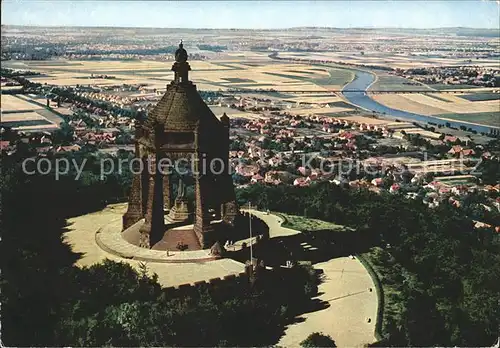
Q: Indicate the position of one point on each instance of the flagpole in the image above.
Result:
(251, 244)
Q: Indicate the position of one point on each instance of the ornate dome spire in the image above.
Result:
(181, 55)
(181, 66)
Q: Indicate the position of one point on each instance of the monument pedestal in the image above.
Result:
(179, 212)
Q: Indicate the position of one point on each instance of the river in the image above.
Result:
(364, 79)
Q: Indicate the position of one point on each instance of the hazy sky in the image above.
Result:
(253, 14)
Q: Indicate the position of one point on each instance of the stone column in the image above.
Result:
(154, 224)
(167, 193)
(202, 216)
(134, 210)
(144, 185)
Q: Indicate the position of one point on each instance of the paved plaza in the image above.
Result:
(81, 236)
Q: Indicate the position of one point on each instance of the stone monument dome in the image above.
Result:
(181, 127)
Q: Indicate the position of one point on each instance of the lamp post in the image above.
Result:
(251, 244)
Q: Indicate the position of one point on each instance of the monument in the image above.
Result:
(181, 126)
(180, 210)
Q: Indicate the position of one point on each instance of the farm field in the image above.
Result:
(20, 112)
(11, 103)
(213, 75)
(387, 82)
(402, 61)
(450, 106)
(488, 118)
(444, 87)
(481, 96)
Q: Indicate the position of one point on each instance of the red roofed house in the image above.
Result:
(301, 182)
(4, 144)
(256, 178)
(394, 188)
(450, 139)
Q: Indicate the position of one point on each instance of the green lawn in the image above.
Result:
(301, 223)
(389, 290)
(487, 118)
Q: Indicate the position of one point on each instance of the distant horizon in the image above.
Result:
(228, 28)
(259, 15)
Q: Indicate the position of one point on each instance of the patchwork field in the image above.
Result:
(393, 60)
(387, 82)
(213, 75)
(10, 103)
(20, 112)
(447, 106)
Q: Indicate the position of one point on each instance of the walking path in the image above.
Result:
(346, 288)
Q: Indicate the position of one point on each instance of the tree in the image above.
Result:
(316, 340)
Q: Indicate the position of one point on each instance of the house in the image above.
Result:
(302, 182)
(246, 170)
(69, 148)
(455, 150)
(315, 174)
(272, 177)
(459, 150)
(304, 171)
(459, 190)
(4, 145)
(454, 202)
(468, 152)
(275, 161)
(479, 224)
(256, 178)
(394, 188)
(45, 140)
(450, 139)
(346, 136)
(486, 154)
